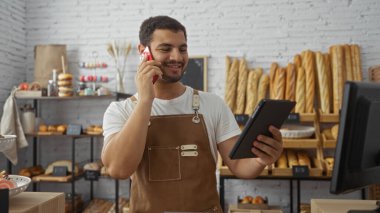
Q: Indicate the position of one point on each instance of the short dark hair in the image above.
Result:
(158, 22)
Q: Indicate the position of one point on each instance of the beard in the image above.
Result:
(173, 79)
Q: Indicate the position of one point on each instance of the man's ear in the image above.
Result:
(140, 48)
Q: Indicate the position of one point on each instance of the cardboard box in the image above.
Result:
(37, 202)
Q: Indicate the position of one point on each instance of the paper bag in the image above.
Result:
(46, 58)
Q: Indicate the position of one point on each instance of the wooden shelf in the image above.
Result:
(57, 179)
(328, 118)
(63, 135)
(328, 143)
(307, 117)
(307, 143)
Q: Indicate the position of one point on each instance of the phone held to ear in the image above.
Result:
(148, 55)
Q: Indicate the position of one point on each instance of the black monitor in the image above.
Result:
(357, 153)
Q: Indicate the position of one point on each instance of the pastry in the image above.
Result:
(36, 170)
(324, 96)
(25, 172)
(328, 134)
(241, 87)
(300, 91)
(282, 161)
(290, 82)
(230, 93)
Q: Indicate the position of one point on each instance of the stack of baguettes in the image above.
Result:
(245, 87)
(313, 79)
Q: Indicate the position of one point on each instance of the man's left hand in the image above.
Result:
(268, 149)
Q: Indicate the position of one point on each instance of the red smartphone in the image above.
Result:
(148, 55)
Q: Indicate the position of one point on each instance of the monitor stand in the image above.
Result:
(377, 210)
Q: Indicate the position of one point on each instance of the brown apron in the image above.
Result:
(177, 171)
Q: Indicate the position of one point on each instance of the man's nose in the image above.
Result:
(176, 55)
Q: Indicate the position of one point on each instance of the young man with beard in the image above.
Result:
(167, 135)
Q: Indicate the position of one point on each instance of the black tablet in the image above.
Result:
(268, 112)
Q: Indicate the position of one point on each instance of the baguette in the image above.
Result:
(290, 82)
(241, 87)
(300, 91)
(338, 78)
(252, 93)
(263, 87)
(310, 81)
(355, 53)
(329, 79)
(348, 61)
(231, 84)
(324, 96)
(280, 81)
(297, 61)
(272, 75)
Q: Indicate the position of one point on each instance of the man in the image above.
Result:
(167, 135)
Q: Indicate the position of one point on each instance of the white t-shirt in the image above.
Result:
(220, 122)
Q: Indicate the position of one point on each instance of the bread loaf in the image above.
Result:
(231, 84)
(324, 96)
(241, 87)
(280, 83)
(335, 131)
(292, 158)
(272, 76)
(328, 134)
(338, 78)
(303, 159)
(252, 91)
(297, 61)
(355, 53)
(329, 79)
(282, 161)
(263, 87)
(310, 81)
(290, 92)
(348, 61)
(300, 91)
(66, 163)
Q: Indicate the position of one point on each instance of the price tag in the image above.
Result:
(241, 119)
(91, 175)
(300, 171)
(60, 171)
(293, 118)
(74, 129)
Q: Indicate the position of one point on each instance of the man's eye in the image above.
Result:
(164, 50)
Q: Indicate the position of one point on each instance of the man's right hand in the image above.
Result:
(145, 73)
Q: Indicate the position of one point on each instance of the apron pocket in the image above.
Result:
(164, 163)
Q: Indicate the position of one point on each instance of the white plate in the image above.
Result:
(6, 142)
(297, 131)
(22, 184)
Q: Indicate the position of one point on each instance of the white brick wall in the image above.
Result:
(12, 46)
(263, 31)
